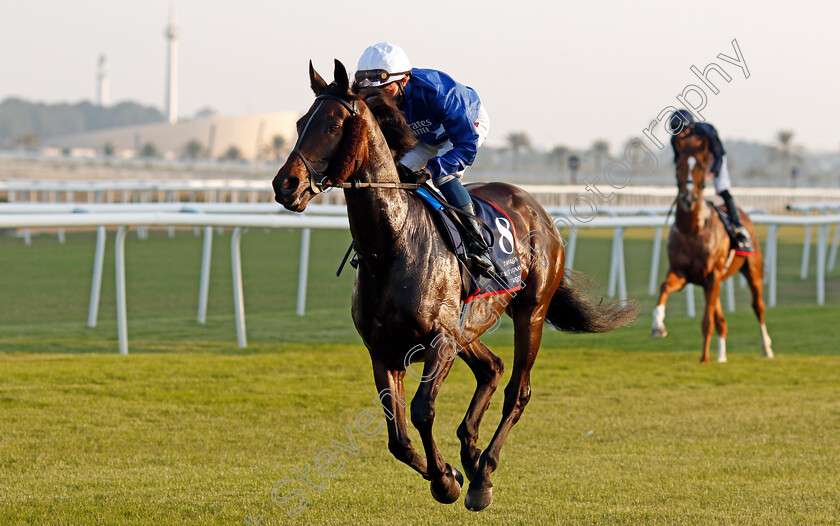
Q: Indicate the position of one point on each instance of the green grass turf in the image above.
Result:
(621, 429)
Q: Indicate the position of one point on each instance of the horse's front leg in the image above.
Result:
(446, 480)
(389, 385)
(487, 368)
(712, 289)
(673, 282)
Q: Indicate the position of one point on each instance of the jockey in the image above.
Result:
(683, 121)
(447, 119)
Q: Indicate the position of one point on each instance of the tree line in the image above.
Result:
(784, 158)
(24, 124)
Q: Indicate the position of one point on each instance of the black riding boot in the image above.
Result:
(742, 235)
(478, 253)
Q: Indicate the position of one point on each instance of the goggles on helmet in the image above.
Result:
(377, 75)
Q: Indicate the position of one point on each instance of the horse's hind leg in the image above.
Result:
(752, 271)
(720, 327)
(487, 368)
(528, 325)
(389, 384)
(673, 282)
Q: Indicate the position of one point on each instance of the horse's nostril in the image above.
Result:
(290, 183)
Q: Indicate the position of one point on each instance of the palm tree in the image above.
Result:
(29, 141)
(558, 157)
(517, 142)
(633, 152)
(193, 149)
(274, 149)
(600, 150)
(232, 154)
(149, 150)
(784, 138)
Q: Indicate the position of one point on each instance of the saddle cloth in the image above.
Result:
(503, 251)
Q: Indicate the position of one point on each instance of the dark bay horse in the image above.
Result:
(699, 252)
(407, 296)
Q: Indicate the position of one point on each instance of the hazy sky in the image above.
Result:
(564, 72)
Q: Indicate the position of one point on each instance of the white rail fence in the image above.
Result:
(809, 209)
(208, 216)
(125, 220)
(774, 200)
(148, 191)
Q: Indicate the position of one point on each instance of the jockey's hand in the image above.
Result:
(407, 175)
(422, 175)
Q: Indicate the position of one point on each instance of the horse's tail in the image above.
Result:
(571, 310)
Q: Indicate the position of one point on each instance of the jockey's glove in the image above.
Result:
(409, 176)
(422, 175)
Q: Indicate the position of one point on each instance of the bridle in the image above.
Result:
(318, 180)
(691, 196)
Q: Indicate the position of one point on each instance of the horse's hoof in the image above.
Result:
(459, 477)
(479, 499)
(658, 333)
(721, 359)
(447, 492)
(767, 354)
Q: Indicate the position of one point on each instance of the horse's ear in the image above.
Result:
(341, 78)
(316, 81)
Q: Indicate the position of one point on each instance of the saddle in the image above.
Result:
(502, 243)
(723, 214)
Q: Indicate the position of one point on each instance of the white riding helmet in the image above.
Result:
(382, 64)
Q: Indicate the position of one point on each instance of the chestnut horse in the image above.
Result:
(699, 252)
(407, 302)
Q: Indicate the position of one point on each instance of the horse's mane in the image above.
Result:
(347, 158)
(391, 121)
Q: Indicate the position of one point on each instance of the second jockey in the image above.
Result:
(683, 125)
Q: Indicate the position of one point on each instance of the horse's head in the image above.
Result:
(331, 143)
(694, 162)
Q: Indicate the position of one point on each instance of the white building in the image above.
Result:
(251, 134)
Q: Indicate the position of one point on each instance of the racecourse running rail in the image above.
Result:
(208, 216)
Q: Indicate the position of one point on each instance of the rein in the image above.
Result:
(671, 210)
(359, 184)
(318, 180)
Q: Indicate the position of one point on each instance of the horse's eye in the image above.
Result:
(334, 127)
